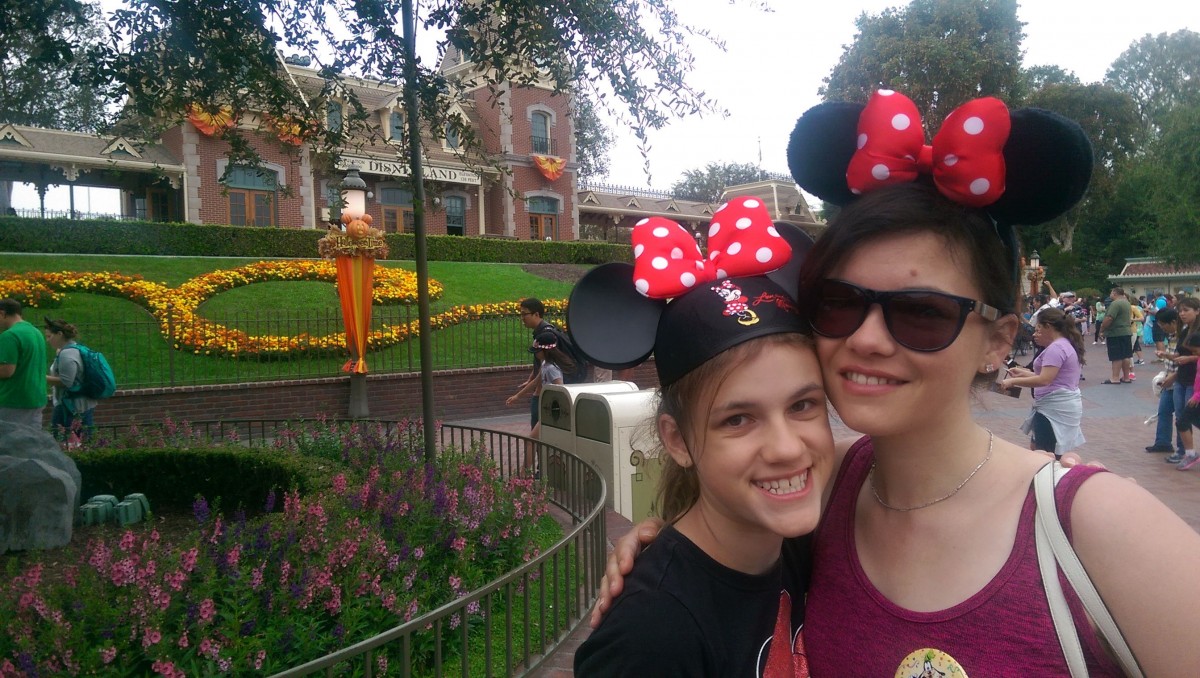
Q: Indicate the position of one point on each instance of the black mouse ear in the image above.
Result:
(820, 148)
(609, 321)
(801, 242)
(1048, 161)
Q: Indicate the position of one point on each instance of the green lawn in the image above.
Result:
(130, 338)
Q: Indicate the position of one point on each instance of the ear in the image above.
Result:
(672, 440)
(1003, 336)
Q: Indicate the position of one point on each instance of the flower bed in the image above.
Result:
(390, 539)
(180, 323)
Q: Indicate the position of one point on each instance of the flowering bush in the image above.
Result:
(391, 539)
(176, 309)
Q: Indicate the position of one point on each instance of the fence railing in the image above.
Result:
(142, 357)
(526, 615)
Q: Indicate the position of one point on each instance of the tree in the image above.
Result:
(707, 184)
(42, 81)
(939, 53)
(1169, 175)
(592, 139)
(1159, 72)
(1111, 121)
(1040, 77)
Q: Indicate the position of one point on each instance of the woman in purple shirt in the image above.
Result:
(1054, 421)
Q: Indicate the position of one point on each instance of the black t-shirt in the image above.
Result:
(1188, 345)
(684, 614)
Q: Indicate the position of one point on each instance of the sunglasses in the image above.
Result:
(921, 320)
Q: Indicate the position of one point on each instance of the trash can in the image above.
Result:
(614, 432)
(555, 415)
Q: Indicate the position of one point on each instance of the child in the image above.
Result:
(747, 449)
(554, 362)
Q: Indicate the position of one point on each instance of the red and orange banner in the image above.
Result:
(549, 166)
(354, 279)
(211, 123)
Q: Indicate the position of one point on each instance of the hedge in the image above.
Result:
(172, 478)
(68, 236)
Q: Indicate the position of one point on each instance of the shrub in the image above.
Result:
(183, 239)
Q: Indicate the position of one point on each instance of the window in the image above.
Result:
(333, 198)
(396, 127)
(397, 209)
(543, 218)
(452, 139)
(456, 214)
(251, 196)
(333, 116)
(541, 133)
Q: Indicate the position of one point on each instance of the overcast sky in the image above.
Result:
(774, 63)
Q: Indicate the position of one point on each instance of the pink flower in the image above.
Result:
(234, 555)
(339, 483)
(208, 610)
(183, 640)
(128, 541)
(108, 654)
(151, 637)
(256, 578)
(458, 544)
(188, 560)
(258, 659)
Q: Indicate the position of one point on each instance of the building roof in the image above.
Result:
(1153, 268)
(83, 150)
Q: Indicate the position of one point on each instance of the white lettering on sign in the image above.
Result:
(450, 175)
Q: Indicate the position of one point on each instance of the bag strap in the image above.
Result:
(1054, 547)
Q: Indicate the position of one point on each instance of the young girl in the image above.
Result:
(925, 562)
(747, 450)
(553, 363)
(1186, 356)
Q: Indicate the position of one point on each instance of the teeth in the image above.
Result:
(785, 486)
(869, 381)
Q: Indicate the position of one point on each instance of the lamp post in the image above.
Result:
(1035, 273)
(354, 277)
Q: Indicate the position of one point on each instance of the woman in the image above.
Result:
(1186, 356)
(553, 362)
(925, 558)
(1057, 402)
(72, 417)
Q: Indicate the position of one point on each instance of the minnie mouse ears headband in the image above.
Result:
(619, 314)
(1021, 167)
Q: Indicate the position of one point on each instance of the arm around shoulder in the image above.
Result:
(649, 633)
(1141, 556)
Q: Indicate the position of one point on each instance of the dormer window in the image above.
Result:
(333, 116)
(453, 141)
(540, 140)
(396, 127)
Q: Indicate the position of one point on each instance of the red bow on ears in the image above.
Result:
(966, 158)
(741, 241)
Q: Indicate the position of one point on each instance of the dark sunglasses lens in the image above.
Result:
(924, 321)
(840, 309)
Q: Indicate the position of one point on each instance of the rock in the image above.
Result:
(39, 490)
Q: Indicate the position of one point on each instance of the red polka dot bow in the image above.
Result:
(966, 157)
(741, 241)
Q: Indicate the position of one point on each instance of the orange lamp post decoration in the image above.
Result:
(354, 251)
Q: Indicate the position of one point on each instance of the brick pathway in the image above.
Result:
(1113, 425)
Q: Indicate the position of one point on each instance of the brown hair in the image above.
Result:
(1194, 304)
(62, 327)
(688, 401)
(1065, 325)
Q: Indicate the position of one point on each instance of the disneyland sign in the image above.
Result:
(450, 175)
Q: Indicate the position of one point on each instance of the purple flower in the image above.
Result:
(200, 510)
(270, 500)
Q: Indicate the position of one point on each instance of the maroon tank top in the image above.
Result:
(1005, 629)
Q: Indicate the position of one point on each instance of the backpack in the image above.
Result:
(583, 369)
(97, 381)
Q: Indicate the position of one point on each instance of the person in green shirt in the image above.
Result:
(1118, 328)
(22, 367)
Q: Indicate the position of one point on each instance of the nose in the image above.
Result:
(872, 336)
(784, 444)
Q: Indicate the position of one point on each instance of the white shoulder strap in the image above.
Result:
(1052, 547)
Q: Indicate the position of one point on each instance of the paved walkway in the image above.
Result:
(1113, 425)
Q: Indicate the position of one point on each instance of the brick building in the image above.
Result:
(524, 185)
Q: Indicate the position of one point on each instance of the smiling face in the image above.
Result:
(876, 385)
(763, 451)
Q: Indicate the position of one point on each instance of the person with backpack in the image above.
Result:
(532, 316)
(72, 409)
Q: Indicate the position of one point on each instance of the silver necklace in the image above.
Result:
(871, 481)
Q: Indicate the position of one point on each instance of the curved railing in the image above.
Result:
(542, 603)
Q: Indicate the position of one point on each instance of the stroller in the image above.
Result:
(1024, 342)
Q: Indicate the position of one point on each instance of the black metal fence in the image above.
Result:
(142, 356)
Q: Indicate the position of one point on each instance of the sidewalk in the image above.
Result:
(1113, 417)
